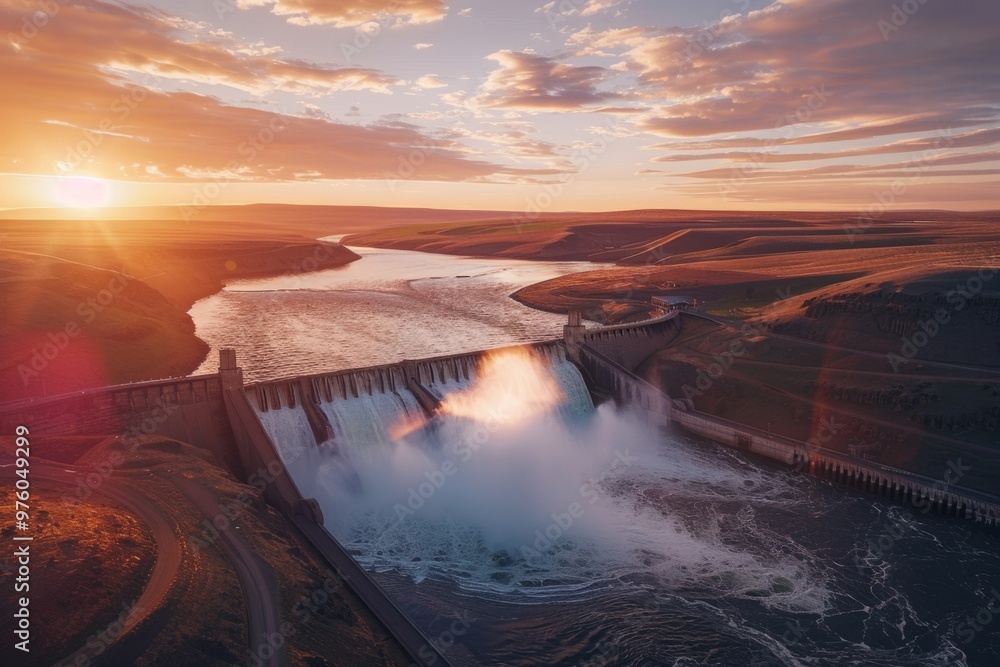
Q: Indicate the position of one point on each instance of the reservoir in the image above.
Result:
(389, 305)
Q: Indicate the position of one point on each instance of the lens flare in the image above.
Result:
(407, 425)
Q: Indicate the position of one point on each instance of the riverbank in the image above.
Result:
(91, 303)
(736, 262)
(894, 343)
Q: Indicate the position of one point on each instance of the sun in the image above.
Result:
(82, 192)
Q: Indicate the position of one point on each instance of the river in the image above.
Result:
(687, 554)
(389, 305)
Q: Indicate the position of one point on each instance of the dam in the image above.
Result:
(358, 408)
(333, 440)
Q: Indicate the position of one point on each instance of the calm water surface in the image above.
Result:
(389, 305)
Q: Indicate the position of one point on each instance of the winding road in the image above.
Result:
(168, 546)
(258, 580)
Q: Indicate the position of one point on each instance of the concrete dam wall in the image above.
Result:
(188, 409)
(897, 485)
(628, 345)
(605, 355)
(398, 377)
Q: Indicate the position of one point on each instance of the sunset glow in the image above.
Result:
(82, 192)
(521, 332)
(585, 105)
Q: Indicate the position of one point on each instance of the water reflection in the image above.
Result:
(389, 305)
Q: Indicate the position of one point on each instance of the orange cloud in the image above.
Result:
(866, 131)
(921, 166)
(756, 71)
(349, 13)
(153, 42)
(431, 81)
(533, 82)
(102, 107)
(969, 139)
(597, 6)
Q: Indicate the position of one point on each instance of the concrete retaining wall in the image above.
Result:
(603, 356)
(625, 387)
(898, 485)
(733, 435)
(628, 345)
(187, 409)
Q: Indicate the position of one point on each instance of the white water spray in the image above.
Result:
(520, 487)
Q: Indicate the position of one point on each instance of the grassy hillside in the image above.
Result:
(95, 303)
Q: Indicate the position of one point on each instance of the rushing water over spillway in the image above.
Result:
(521, 525)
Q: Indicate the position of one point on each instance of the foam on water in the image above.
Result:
(550, 503)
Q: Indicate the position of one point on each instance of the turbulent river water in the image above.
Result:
(524, 526)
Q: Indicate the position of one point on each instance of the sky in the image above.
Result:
(521, 105)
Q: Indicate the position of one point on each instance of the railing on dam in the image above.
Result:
(936, 495)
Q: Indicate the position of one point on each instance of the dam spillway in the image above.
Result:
(440, 372)
(512, 437)
(367, 409)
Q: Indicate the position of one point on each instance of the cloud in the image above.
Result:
(867, 131)
(83, 107)
(431, 81)
(313, 111)
(620, 110)
(562, 8)
(919, 166)
(352, 13)
(597, 6)
(422, 45)
(533, 82)
(749, 73)
(515, 140)
(966, 140)
(169, 48)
